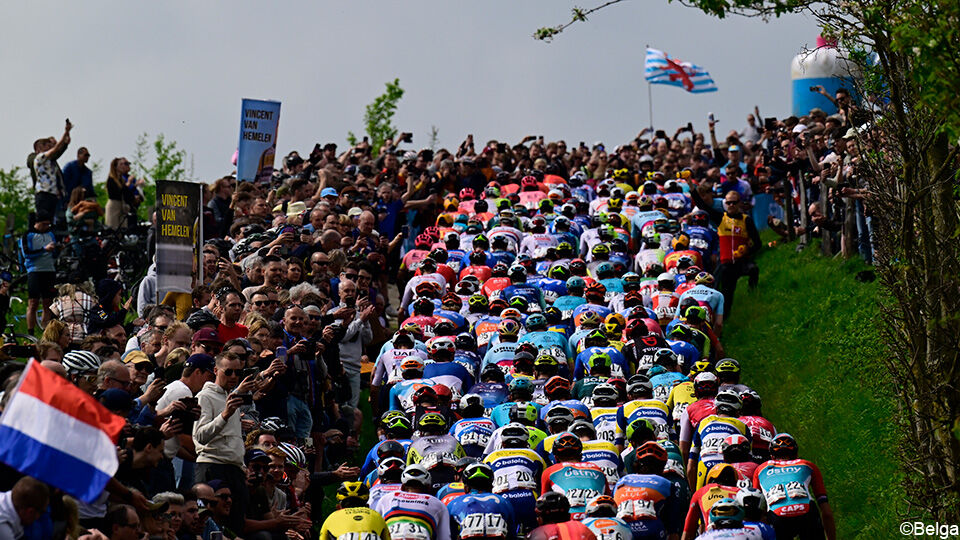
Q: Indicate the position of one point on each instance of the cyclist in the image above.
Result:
(353, 519)
(736, 450)
(601, 453)
(794, 492)
(389, 472)
(412, 513)
(516, 472)
(480, 514)
(721, 483)
(553, 515)
(726, 521)
(647, 501)
(642, 405)
(755, 512)
(705, 386)
(571, 476)
(761, 429)
(473, 430)
(435, 449)
(603, 521)
(604, 411)
(709, 435)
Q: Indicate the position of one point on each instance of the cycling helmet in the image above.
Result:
(295, 455)
(666, 358)
(201, 318)
(727, 402)
(556, 387)
(699, 217)
(423, 241)
(614, 325)
(439, 254)
(491, 372)
(698, 367)
(705, 385)
(273, 424)
(432, 422)
(443, 329)
(735, 448)
(728, 366)
(471, 405)
(444, 394)
(596, 338)
(524, 413)
(559, 272)
(650, 450)
(388, 465)
(480, 241)
(536, 322)
(695, 314)
(750, 402)
(582, 427)
(515, 435)
(600, 251)
(443, 346)
(508, 327)
(564, 249)
(589, 319)
(559, 415)
(604, 270)
(527, 347)
(784, 446)
(545, 360)
(521, 385)
(665, 281)
(704, 278)
(641, 388)
(478, 302)
(391, 448)
(519, 303)
(517, 273)
(467, 194)
(465, 342)
(528, 182)
(576, 285)
(680, 242)
(631, 279)
(81, 362)
(413, 329)
(385, 418)
(726, 514)
(452, 301)
(567, 445)
(753, 502)
(424, 394)
(423, 306)
(604, 394)
(640, 431)
(416, 475)
(511, 313)
(553, 507)
(596, 291)
(601, 506)
(599, 359)
(578, 267)
(478, 475)
(353, 494)
(411, 368)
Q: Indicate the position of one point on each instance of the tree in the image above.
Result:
(378, 118)
(16, 197)
(434, 138)
(167, 163)
(907, 56)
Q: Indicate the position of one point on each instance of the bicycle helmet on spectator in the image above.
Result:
(81, 362)
(295, 455)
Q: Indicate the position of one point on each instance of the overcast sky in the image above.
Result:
(120, 68)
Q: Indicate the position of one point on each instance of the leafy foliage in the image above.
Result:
(378, 118)
(167, 159)
(16, 197)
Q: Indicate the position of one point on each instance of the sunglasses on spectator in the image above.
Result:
(314, 317)
(143, 366)
(230, 372)
(261, 303)
(350, 276)
(321, 263)
(224, 496)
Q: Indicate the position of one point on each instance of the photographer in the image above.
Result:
(178, 401)
(353, 313)
(217, 435)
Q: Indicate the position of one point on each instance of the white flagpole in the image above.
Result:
(650, 103)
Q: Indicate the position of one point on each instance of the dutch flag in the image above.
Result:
(58, 434)
(660, 68)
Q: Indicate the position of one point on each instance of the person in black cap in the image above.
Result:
(37, 246)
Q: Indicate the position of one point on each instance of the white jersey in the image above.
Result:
(387, 368)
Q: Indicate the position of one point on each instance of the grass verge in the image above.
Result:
(807, 340)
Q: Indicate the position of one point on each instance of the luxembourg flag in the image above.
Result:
(660, 68)
(58, 434)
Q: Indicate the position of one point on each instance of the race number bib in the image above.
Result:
(474, 438)
(483, 525)
(408, 530)
(515, 477)
(635, 509)
(359, 536)
(578, 497)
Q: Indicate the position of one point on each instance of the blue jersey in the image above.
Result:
(549, 342)
(765, 529)
(645, 497)
(501, 256)
(552, 289)
(501, 413)
(702, 239)
(401, 394)
(688, 353)
(664, 382)
(452, 374)
(473, 434)
(577, 407)
(566, 305)
(706, 295)
(620, 367)
(528, 292)
(602, 311)
(482, 516)
(457, 319)
(493, 394)
(455, 260)
(500, 354)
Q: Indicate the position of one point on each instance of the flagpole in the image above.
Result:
(650, 103)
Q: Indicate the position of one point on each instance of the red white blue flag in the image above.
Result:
(58, 434)
(661, 68)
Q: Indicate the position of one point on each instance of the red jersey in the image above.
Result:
(664, 304)
(568, 530)
(701, 502)
(483, 273)
(447, 273)
(761, 430)
(493, 286)
(425, 322)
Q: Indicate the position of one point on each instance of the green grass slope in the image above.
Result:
(807, 341)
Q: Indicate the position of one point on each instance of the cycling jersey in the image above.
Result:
(731, 534)
(762, 431)
(692, 415)
(515, 468)
(650, 409)
(473, 434)
(493, 394)
(451, 491)
(689, 355)
(401, 394)
(649, 504)
(458, 320)
(549, 342)
(482, 516)
(605, 528)
(501, 413)
(500, 354)
(706, 295)
(536, 436)
(566, 305)
(433, 450)
(620, 368)
(387, 368)
(493, 287)
(578, 481)
(604, 455)
(681, 396)
(378, 490)
(359, 523)
(664, 304)
(708, 441)
(664, 382)
(528, 292)
(606, 425)
(370, 463)
(414, 516)
(640, 352)
(552, 289)
(453, 375)
(790, 486)
(701, 502)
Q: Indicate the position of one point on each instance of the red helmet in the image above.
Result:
(528, 182)
(432, 232)
(444, 395)
(424, 393)
(423, 240)
(595, 289)
(467, 194)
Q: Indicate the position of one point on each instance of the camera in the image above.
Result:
(247, 398)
